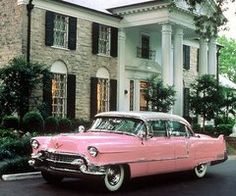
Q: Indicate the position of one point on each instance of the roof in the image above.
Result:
(104, 5)
(144, 115)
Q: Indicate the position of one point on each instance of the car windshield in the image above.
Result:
(118, 125)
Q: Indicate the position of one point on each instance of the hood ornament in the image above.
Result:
(57, 145)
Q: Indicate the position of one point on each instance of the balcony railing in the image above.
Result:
(146, 53)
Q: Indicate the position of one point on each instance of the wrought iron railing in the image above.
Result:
(146, 53)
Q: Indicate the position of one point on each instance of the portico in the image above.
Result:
(162, 32)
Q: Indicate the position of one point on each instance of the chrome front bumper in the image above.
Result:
(65, 164)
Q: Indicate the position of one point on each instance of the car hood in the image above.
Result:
(102, 141)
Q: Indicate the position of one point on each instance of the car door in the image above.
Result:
(160, 151)
(181, 140)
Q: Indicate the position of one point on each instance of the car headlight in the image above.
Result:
(93, 151)
(35, 144)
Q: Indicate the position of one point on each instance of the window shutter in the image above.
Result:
(197, 60)
(93, 97)
(95, 36)
(113, 95)
(186, 57)
(47, 94)
(186, 102)
(49, 24)
(71, 96)
(72, 33)
(114, 38)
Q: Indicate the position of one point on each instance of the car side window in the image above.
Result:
(176, 129)
(158, 128)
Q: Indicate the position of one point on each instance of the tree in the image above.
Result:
(227, 58)
(207, 26)
(159, 98)
(206, 97)
(228, 104)
(19, 78)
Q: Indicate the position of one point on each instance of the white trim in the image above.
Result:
(76, 11)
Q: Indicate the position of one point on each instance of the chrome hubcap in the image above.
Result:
(200, 168)
(113, 175)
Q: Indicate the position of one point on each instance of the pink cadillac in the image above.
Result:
(124, 145)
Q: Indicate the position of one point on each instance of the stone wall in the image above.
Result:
(80, 62)
(12, 33)
(191, 74)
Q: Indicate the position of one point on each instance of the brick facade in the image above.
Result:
(12, 31)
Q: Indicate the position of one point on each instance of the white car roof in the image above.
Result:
(146, 116)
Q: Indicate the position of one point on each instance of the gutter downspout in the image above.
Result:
(29, 7)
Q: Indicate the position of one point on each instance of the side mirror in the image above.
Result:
(81, 129)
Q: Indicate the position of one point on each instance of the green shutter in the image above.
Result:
(113, 95)
(49, 24)
(186, 102)
(95, 36)
(71, 96)
(93, 97)
(186, 57)
(47, 94)
(72, 33)
(114, 39)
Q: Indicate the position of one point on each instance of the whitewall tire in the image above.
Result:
(200, 170)
(115, 177)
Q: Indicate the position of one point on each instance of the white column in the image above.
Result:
(212, 57)
(121, 70)
(203, 60)
(178, 71)
(166, 53)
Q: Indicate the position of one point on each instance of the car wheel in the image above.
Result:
(50, 178)
(115, 177)
(200, 170)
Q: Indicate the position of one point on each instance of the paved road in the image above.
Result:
(220, 181)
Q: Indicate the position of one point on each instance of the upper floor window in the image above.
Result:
(60, 30)
(144, 50)
(104, 40)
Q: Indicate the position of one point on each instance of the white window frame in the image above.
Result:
(104, 40)
(61, 28)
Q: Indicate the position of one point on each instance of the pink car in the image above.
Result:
(124, 145)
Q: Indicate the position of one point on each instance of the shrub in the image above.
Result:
(65, 125)
(17, 165)
(225, 129)
(5, 154)
(17, 147)
(33, 121)
(51, 124)
(10, 122)
(7, 133)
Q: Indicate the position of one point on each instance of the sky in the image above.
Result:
(231, 16)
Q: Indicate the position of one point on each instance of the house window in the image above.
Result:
(103, 95)
(104, 40)
(59, 95)
(143, 102)
(60, 29)
(145, 41)
(144, 50)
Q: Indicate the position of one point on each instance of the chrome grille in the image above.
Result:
(59, 157)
